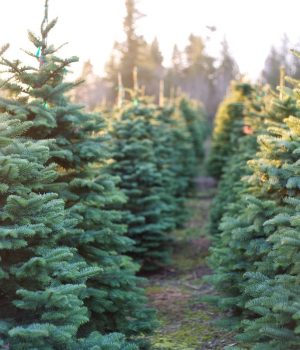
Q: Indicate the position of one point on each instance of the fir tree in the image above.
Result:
(227, 70)
(227, 128)
(195, 123)
(177, 136)
(136, 162)
(42, 283)
(271, 289)
(235, 169)
(244, 242)
(114, 297)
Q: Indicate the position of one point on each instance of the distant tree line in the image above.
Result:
(281, 57)
(193, 71)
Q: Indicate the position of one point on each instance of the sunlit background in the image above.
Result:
(230, 39)
(91, 26)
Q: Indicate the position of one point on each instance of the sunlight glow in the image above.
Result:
(92, 26)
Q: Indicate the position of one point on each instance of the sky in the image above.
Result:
(91, 26)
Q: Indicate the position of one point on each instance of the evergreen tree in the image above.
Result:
(281, 57)
(195, 122)
(176, 154)
(270, 73)
(244, 249)
(93, 90)
(132, 50)
(135, 134)
(114, 298)
(271, 289)
(42, 284)
(199, 73)
(174, 75)
(278, 57)
(235, 169)
(177, 59)
(135, 52)
(228, 127)
(226, 72)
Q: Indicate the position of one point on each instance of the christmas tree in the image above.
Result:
(114, 296)
(271, 286)
(43, 281)
(195, 121)
(176, 156)
(149, 212)
(228, 128)
(244, 150)
(243, 255)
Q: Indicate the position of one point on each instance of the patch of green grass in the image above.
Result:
(192, 331)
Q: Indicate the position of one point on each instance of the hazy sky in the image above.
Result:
(91, 26)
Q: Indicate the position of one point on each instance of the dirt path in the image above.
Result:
(186, 322)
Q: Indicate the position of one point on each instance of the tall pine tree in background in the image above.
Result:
(92, 91)
(280, 57)
(226, 71)
(113, 296)
(135, 52)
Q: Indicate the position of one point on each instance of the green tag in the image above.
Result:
(38, 53)
(46, 105)
(135, 102)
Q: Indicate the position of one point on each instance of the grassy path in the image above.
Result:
(186, 322)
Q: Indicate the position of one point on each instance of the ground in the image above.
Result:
(187, 323)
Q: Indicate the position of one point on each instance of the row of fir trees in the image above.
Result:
(255, 252)
(85, 202)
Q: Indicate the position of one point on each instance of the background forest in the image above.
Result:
(194, 71)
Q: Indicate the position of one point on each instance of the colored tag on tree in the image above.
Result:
(135, 102)
(42, 60)
(38, 53)
(46, 105)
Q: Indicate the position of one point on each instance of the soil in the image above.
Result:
(186, 322)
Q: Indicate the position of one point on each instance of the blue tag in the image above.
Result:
(38, 53)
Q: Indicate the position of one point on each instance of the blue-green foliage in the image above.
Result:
(255, 256)
(176, 158)
(66, 227)
(155, 157)
(196, 126)
(243, 149)
(148, 209)
(114, 295)
(42, 282)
